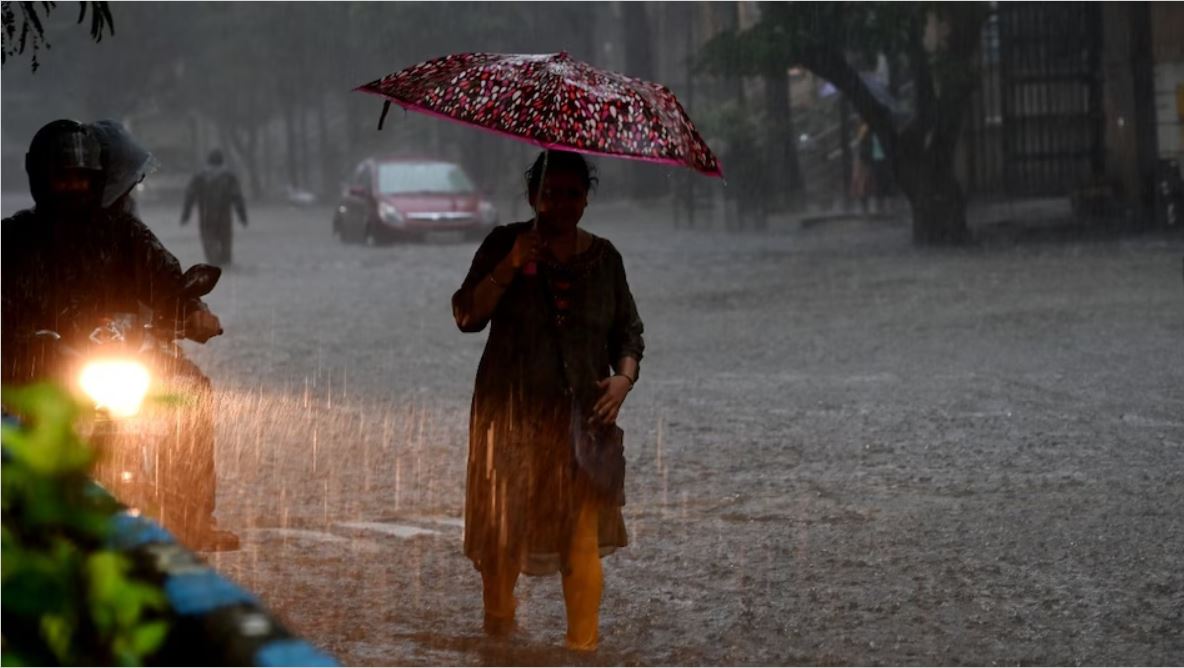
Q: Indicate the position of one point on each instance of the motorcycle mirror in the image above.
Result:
(200, 279)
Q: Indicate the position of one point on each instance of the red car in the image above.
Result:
(396, 199)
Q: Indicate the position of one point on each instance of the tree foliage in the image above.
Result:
(261, 81)
(24, 26)
(938, 40)
(67, 599)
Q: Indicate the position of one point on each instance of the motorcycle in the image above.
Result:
(151, 404)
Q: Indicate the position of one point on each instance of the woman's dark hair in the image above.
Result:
(560, 161)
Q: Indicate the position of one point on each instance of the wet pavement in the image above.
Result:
(842, 449)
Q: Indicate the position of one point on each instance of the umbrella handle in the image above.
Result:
(532, 268)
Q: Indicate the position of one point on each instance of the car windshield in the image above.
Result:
(400, 178)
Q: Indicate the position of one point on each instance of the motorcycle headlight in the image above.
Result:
(389, 214)
(119, 386)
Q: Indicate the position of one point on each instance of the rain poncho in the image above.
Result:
(62, 273)
(215, 190)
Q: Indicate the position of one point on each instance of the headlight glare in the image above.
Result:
(119, 386)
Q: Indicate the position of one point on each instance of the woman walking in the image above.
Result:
(545, 470)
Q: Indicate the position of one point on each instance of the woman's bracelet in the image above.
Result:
(626, 377)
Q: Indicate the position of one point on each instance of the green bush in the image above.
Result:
(66, 598)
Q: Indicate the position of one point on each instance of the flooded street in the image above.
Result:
(910, 277)
(842, 449)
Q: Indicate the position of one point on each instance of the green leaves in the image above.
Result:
(100, 19)
(31, 33)
(46, 443)
(66, 599)
(117, 603)
(791, 33)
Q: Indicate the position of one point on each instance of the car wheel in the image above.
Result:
(346, 235)
(376, 235)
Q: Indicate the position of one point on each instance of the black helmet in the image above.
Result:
(215, 158)
(58, 146)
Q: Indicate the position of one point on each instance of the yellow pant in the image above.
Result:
(582, 587)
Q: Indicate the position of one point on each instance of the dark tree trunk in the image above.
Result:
(845, 159)
(303, 141)
(1142, 71)
(266, 166)
(729, 16)
(328, 158)
(925, 173)
(639, 55)
(290, 145)
(251, 157)
(494, 163)
(353, 124)
(639, 62)
(686, 186)
(939, 206)
(782, 146)
(244, 141)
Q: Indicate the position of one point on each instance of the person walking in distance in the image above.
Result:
(215, 190)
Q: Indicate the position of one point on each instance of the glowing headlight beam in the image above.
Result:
(116, 385)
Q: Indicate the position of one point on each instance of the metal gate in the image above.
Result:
(1037, 126)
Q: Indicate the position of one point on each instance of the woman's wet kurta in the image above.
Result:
(552, 337)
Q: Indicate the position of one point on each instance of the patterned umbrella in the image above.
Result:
(554, 102)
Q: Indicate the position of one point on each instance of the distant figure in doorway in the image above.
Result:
(215, 190)
(872, 174)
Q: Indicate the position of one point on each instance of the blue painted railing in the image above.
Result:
(214, 621)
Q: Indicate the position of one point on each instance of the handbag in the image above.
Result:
(600, 453)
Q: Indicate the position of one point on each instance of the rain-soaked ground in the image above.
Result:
(842, 449)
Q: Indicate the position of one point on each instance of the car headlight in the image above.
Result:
(119, 386)
(389, 214)
(487, 213)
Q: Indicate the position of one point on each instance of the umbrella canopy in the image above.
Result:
(879, 90)
(554, 102)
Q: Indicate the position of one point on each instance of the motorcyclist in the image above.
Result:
(69, 258)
